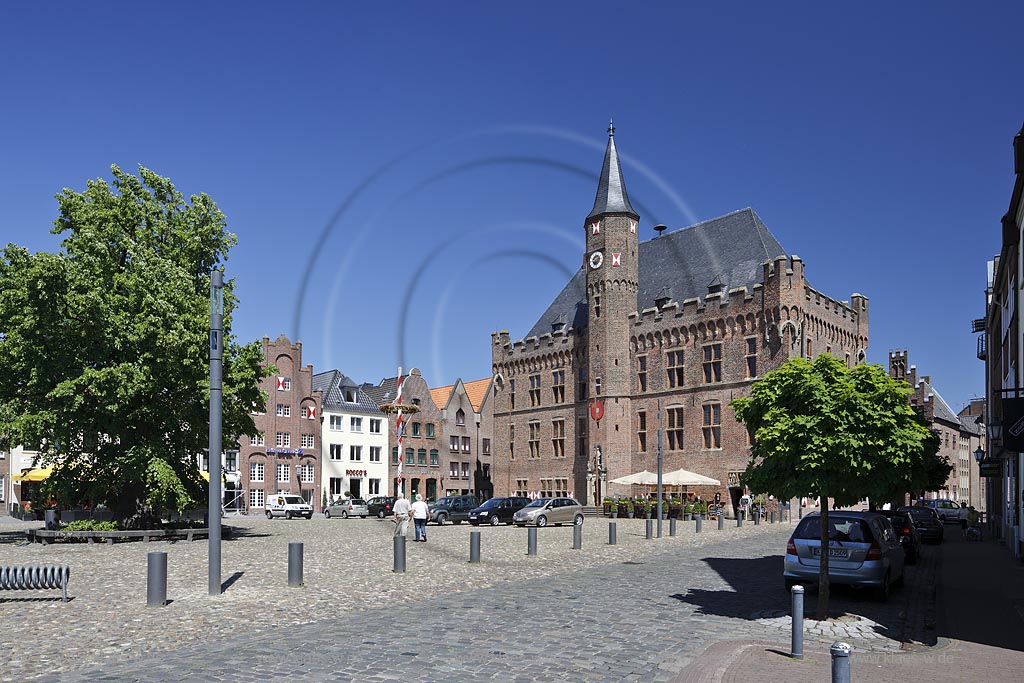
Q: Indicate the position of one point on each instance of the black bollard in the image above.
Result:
(739, 519)
(474, 547)
(721, 521)
(577, 536)
(797, 647)
(399, 566)
(294, 564)
(699, 522)
(650, 528)
(156, 579)
(771, 518)
(840, 662)
(531, 541)
(672, 527)
(611, 533)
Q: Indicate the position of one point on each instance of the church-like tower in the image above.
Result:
(612, 281)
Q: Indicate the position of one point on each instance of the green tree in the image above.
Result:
(104, 347)
(823, 429)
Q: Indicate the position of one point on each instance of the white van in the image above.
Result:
(288, 505)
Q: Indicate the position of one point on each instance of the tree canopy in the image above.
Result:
(104, 346)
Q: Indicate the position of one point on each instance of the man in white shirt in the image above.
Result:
(402, 511)
(420, 512)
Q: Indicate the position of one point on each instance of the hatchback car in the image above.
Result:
(544, 511)
(947, 510)
(929, 526)
(452, 509)
(380, 506)
(862, 548)
(347, 507)
(497, 511)
(906, 532)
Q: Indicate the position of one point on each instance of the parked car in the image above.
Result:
(544, 511)
(947, 510)
(863, 551)
(906, 531)
(287, 505)
(380, 506)
(497, 511)
(452, 508)
(929, 526)
(347, 507)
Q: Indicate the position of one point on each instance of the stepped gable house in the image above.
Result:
(679, 324)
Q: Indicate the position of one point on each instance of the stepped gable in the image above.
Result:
(731, 248)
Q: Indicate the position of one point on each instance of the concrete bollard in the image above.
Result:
(797, 646)
(699, 522)
(474, 547)
(577, 536)
(399, 555)
(672, 527)
(721, 521)
(531, 541)
(840, 662)
(294, 564)
(611, 533)
(650, 529)
(156, 579)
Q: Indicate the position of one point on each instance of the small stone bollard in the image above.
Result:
(399, 566)
(531, 541)
(721, 521)
(474, 547)
(577, 536)
(294, 564)
(611, 533)
(672, 527)
(840, 662)
(797, 645)
(156, 579)
(650, 529)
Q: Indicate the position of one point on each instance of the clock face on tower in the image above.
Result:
(596, 259)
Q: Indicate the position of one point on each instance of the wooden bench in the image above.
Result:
(35, 577)
(46, 537)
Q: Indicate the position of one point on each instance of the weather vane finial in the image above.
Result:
(611, 128)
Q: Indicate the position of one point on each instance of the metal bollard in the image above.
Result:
(772, 520)
(739, 518)
(672, 527)
(721, 521)
(611, 533)
(156, 579)
(840, 662)
(294, 564)
(699, 522)
(577, 536)
(399, 555)
(531, 541)
(474, 547)
(799, 511)
(797, 646)
(757, 519)
(650, 528)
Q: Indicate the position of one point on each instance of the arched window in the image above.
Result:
(460, 417)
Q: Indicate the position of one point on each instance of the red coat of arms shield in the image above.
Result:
(597, 410)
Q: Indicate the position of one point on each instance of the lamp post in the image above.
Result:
(216, 387)
(660, 494)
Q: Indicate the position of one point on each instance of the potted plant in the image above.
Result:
(645, 507)
(628, 505)
(606, 504)
(688, 512)
(613, 508)
(675, 508)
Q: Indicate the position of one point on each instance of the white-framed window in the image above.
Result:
(465, 444)
(304, 412)
(374, 453)
(453, 470)
(337, 451)
(374, 426)
(355, 453)
(308, 441)
(522, 486)
(374, 486)
(453, 444)
(284, 472)
(337, 422)
(284, 410)
(460, 417)
(465, 470)
(306, 473)
(356, 424)
(258, 440)
(256, 471)
(335, 485)
(3, 487)
(283, 440)
(257, 498)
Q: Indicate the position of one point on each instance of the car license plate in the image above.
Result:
(832, 552)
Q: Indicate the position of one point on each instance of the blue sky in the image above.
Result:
(427, 168)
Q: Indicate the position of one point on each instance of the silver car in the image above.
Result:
(347, 507)
(863, 550)
(544, 511)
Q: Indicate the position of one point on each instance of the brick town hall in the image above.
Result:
(680, 324)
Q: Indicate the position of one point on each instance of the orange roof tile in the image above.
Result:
(476, 391)
(441, 395)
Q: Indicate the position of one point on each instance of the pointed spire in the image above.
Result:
(611, 189)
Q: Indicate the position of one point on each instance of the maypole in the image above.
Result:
(401, 453)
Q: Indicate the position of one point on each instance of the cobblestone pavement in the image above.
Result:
(640, 610)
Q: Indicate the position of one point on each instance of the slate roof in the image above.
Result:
(969, 424)
(941, 409)
(611, 189)
(333, 384)
(730, 249)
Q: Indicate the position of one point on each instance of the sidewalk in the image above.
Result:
(979, 629)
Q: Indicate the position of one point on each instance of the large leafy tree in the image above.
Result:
(823, 429)
(104, 347)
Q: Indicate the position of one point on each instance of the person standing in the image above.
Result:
(402, 511)
(420, 512)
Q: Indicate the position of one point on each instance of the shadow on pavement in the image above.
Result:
(230, 581)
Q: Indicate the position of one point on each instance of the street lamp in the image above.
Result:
(979, 455)
(216, 390)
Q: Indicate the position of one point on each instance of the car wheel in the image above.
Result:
(578, 520)
(287, 515)
(542, 521)
(495, 520)
(270, 515)
(441, 519)
(380, 513)
(327, 514)
(344, 514)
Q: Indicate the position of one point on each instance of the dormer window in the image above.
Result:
(663, 298)
(717, 286)
(460, 417)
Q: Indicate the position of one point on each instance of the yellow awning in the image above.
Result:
(37, 474)
(204, 474)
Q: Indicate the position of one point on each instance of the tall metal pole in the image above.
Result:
(659, 470)
(216, 368)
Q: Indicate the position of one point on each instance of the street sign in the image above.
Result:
(990, 468)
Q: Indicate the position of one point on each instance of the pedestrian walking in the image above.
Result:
(420, 512)
(402, 511)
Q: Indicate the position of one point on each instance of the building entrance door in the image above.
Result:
(356, 487)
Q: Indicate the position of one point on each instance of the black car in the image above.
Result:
(906, 531)
(380, 506)
(453, 509)
(497, 511)
(928, 524)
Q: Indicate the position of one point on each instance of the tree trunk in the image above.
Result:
(822, 612)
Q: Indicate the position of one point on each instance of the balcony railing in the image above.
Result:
(982, 347)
